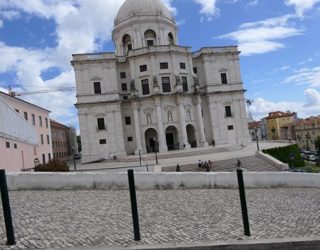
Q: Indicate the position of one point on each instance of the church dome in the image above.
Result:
(142, 8)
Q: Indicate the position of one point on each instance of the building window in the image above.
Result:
(164, 65)
(150, 43)
(123, 75)
(124, 87)
(184, 80)
(228, 111)
(43, 158)
(182, 66)
(7, 144)
(49, 157)
(25, 115)
(166, 87)
(195, 70)
(97, 87)
(224, 78)
(129, 47)
(125, 97)
(130, 138)
(48, 139)
(143, 68)
(15, 145)
(33, 119)
(103, 141)
(101, 125)
(128, 120)
(47, 124)
(40, 121)
(145, 87)
(230, 127)
(42, 141)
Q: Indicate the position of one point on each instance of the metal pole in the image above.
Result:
(140, 157)
(6, 208)
(156, 157)
(243, 203)
(134, 207)
(74, 163)
(258, 143)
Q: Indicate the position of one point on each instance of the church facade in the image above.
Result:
(152, 94)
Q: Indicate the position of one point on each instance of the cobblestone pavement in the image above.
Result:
(57, 219)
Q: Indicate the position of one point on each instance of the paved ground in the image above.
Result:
(184, 157)
(58, 219)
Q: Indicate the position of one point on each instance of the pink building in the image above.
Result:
(26, 115)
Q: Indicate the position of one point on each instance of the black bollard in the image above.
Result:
(134, 207)
(6, 208)
(243, 203)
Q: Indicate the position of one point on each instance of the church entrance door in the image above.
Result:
(172, 138)
(151, 138)
(191, 133)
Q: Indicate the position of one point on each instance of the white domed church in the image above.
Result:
(153, 94)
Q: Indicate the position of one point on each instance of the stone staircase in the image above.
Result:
(250, 163)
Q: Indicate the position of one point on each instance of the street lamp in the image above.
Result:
(307, 138)
(257, 138)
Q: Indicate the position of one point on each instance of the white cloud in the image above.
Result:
(252, 3)
(263, 36)
(302, 6)
(305, 76)
(208, 7)
(261, 107)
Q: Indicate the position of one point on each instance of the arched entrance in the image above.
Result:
(172, 138)
(191, 134)
(151, 137)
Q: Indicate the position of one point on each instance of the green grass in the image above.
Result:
(310, 167)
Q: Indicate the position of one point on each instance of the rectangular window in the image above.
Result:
(125, 97)
(149, 43)
(182, 66)
(49, 157)
(40, 121)
(97, 87)
(130, 138)
(47, 123)
(230, 127)
(166, 87)
(101, 125)
(124, 87)
(224, 78)
(228, 111)
(103, 141)
(164, 65)
(15, 145)
(123, 75)
(48, 139)
(145, 87)
(7, 144)
(128, 120)
(143, 68)
(184, 80)
(195, 70)
(33, 119)
(43, 158)
(25, 115)
(42, 141)
(129, 47)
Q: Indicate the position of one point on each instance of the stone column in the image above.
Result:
(202, 135)
(215, 127)
(183, 123)
(135, 107)
(161, 135)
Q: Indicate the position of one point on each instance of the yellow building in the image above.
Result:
(307, 131)
(278, 120)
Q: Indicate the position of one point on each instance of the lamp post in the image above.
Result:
(155, 148)
(257, 138)
(307, 138)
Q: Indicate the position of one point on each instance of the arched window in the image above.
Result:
(170, 118)
(150, 37)
(126, 43)
(170, 39)
(149, 120)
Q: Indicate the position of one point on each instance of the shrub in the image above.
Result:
(53, 166)
(283, 154)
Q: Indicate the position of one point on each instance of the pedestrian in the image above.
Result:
(178, 168)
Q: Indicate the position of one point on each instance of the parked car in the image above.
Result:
(312, 157)
(77, 156)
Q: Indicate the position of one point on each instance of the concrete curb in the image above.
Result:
(270, 244)
(158, 181)
(273, 161)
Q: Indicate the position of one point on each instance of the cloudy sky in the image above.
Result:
(279, 41)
